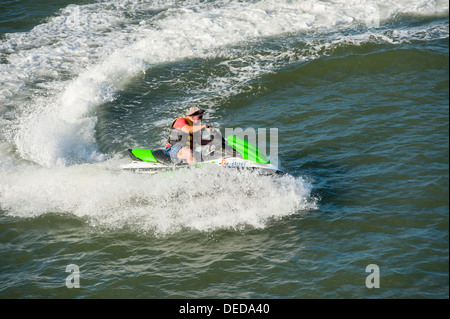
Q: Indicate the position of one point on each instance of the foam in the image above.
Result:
(203, 199)
(84, 55)
(57, 75)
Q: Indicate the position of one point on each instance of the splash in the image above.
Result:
(203, 199)
(54, 78)
(80, 59)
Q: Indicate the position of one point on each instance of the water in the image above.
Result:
(357, 89)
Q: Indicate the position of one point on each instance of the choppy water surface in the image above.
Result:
(358, 91)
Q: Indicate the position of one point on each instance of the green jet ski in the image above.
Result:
(232, 152)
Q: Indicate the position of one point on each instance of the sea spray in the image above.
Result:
(89, 56)
(202, 199)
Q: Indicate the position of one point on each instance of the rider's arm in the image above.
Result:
(194, 129)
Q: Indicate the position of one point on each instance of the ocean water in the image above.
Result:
(357, 89)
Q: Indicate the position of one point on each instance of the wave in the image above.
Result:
(55, 78)
(204, 199)
(56, 75)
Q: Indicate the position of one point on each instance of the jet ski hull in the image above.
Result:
(232, 153)
(233, 163)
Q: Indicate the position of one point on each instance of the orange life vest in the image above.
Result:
(176, 135)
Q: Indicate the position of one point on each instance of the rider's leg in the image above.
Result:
(186, 154)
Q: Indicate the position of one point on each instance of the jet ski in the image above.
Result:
(232, 152)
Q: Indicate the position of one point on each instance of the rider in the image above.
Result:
(184, 131)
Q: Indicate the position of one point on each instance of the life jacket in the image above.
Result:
(176, 136)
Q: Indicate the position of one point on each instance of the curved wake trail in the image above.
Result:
(65, 68)
(54, 79)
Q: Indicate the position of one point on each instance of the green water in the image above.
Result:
(362, 118)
